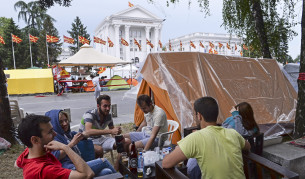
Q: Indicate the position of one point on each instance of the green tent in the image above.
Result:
(117, 80)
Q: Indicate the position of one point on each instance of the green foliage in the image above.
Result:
(54, 49)
(78, 29)
(49, 3)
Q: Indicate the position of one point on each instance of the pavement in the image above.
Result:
(78, 103)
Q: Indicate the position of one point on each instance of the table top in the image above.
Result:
(125, 170)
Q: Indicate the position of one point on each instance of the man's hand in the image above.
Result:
(77, 137)
(116, 130)
(54, 145)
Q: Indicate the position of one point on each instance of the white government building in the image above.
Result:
(132, 23)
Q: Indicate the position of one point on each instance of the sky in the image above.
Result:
(181, 18)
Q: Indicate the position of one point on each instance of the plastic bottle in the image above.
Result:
(140, 165)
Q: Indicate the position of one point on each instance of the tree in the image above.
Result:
(32, 13)
(6, 122)
(49, 3)
(78, 29)
(297, 59)
(54, 49)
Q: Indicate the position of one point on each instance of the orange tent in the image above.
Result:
(134, 82)
(175, 80)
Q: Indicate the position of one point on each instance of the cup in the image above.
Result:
(180, 164)
(125, 159)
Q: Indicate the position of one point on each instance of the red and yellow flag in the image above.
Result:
(235, 47)
(52, 39)
(68, 40)
(16, 39)
(215, 52)
(160, 44)
(33, 38)
(101, 70)
(180, 45)
(228, 46)
(241, 53)
(124, 42)
(110, 43)
(2, 40)
(245, 47)
(192, 45)
(149, 43)
(83, 40)
(137, 43)
(211, 51)
(170, 46)
(201, 45)
(211, 44)
(220, 44)
(99, 40)
(130, 4)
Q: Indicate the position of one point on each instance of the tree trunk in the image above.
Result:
(6, 122)
(299, 130)
(260, 27)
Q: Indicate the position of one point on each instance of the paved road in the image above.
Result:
(78, 104)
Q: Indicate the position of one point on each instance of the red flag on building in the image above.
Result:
(180, 45)
(201, 45)
(211, 51)
(33, 38)
(170, 46)
(160, 44)
(211, 44)
(220, 44)
(137, 43)
(83, 40)
(149, 43)
(2, 40)
(101, 70)
(99, 40)
(110, 43)
(16, 39)
(215, 52)
(245, 47)
(235, 47)
(130, 4)
(52, 39)
(228, 46)
(241, 53)
(68, 40)
(124, 42)
(192, 45)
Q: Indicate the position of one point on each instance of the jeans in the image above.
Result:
(100, 167)
(193, 169)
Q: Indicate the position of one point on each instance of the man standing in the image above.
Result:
(96, 86)
(155, 123)
(36, 132)
(218, 150)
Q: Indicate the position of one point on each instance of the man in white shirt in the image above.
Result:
(96, 86)
(155, 123)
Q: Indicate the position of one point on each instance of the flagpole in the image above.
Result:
(13, 52)
(47, 50)
(77, 42)
(31, 51)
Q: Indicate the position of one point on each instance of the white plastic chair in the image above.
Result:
(172, 127)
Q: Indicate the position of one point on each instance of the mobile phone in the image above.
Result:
(119, 143)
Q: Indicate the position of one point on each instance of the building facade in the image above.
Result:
(132, 23)
(205, 38)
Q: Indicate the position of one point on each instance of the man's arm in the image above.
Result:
(76, 138)
(247, 146)
(152, 137)
(173, 158)
(98, 132)
(82, 169)
(144, 123)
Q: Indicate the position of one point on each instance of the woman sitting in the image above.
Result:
(61, 126)
(242, 120)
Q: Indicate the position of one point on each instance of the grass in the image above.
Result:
(8, 158)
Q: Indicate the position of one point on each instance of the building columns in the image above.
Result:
(156, 39)
(127, 48)
(117, 40)
(147, 29)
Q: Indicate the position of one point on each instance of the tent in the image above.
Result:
(88, 56)
(175, 80)
(30, 81)
(134, 82)
(118, 83)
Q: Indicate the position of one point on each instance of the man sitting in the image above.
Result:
(155, 123)
(218, 150)
(36, 132)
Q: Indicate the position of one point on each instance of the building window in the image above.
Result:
(135, 49)
(131, 44)
(134, 33)
(139, 33)
(121, 33)
(130, 33)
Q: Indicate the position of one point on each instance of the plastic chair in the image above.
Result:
(172, 127)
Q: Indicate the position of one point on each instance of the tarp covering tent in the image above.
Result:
(175, 80)
(88, 56)
(30, 81)
(118, 83)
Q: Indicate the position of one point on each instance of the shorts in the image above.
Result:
(97, 93)
(143, 137)
(105, 142)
